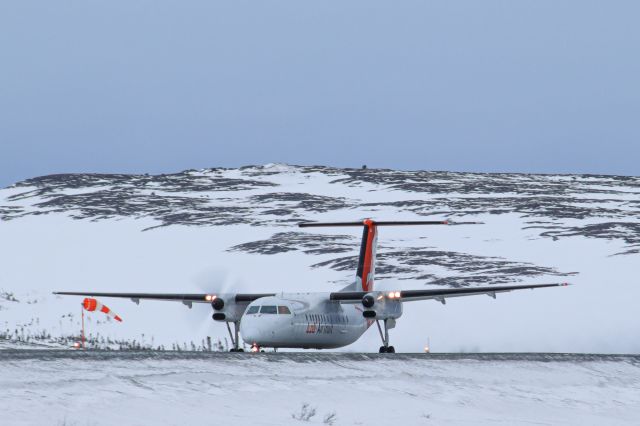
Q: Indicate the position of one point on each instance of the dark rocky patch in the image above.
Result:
(462, 269)
(535, 207)
(436, 182)
(189, 198)
(169, 210)
(187, 181)
(283, 242)
(301, 201)
(109, 196)
(10, 212)
(629, 232)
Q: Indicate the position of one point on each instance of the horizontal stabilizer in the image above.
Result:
(382, 223)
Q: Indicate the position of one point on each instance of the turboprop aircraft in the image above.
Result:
(322, 320)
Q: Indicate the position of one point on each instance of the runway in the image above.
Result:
(306, 356)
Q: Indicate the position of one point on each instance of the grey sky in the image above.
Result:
(157, 86)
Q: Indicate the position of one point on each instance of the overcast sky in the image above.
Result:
(160, 86)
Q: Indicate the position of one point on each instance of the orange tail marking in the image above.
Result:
(367, 272)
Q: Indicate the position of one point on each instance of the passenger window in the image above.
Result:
(284, 310)
(253, 310)
(268, 310)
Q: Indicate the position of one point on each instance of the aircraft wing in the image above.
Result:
(174, 297)
(437, 294)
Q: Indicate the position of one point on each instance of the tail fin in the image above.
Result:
(367, 260)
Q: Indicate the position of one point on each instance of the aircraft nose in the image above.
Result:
(262, 329)
(250, 329)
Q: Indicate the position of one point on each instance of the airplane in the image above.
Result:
(318, 320)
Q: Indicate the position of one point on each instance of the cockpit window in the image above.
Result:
(284, 310)
(253, 310)
(268, 310)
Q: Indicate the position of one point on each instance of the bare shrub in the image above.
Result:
(329, 418)
(305, 414)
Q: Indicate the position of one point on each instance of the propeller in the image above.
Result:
(212, 281)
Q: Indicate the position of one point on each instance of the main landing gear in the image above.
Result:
(235, 337)
(385, 348)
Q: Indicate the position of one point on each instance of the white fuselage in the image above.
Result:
(302, 320)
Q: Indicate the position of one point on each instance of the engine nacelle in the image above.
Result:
(225, 307)
(382, 306)
(368, 300)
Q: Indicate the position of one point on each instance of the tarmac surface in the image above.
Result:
(302, 357)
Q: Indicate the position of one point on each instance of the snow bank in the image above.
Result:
(272, 389)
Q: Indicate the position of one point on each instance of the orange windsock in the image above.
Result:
(91, 305)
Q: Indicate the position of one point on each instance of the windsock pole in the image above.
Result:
(82, 310)
(91, 305)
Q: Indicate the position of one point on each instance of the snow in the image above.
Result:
(48, 249)
(270, 389)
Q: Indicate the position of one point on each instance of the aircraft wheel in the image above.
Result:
(391, 350)
(382, 350)
(232, 350)
(240, 350)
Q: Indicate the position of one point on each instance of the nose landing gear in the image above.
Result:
(385, 348)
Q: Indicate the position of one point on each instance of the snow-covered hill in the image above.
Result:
(225, 229)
